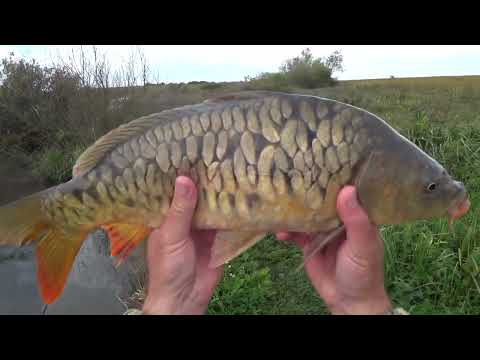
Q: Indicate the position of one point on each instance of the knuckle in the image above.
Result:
(179, 208)
(357, 219)
(359, 264)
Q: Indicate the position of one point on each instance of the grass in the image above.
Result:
(263, 280)
(429, 269)
(54, 165)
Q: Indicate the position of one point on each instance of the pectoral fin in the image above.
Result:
(230, 244)
(319, 242)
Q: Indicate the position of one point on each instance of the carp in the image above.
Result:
(262, 162)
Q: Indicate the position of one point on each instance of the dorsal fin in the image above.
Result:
(96, 152)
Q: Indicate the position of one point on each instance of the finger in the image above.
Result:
(283, 236)
(301, 239)
(204, 253)
(362, 235)
(177, 224)
(321, 273)
(207, 278)
(331, 250)
(204, 240)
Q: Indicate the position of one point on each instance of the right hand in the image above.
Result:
(349, 274)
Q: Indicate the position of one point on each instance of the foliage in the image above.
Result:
(303, 71)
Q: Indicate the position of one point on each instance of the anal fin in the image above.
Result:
(56, 252)
(230, 244)
(124, 238)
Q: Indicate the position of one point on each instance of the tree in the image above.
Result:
(334, 62)
(144, 67)
(309, 72)
(305, 59)
(304, 71)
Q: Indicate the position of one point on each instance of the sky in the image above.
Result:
(184, 63)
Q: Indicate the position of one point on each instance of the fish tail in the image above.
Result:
(24, 222)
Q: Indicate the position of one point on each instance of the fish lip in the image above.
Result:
(461, 197)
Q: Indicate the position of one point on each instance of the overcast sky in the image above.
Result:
(182, 63)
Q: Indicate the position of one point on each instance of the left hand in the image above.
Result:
(349, 274)
(179, 279)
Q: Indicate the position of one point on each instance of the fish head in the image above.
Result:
(400, 183)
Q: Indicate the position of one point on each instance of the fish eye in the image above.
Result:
(431, 187)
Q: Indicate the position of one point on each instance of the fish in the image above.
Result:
(262, 162)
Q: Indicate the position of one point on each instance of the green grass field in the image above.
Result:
(429, 269)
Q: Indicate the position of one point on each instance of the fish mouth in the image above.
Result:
(460, 207)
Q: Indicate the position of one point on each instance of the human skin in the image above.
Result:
(348, 275)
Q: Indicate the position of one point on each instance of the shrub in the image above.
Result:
(54, 165)
(304, 71)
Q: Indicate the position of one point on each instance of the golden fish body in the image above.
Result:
(262, 162)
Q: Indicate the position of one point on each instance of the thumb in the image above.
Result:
(177, 224)
(362, 235)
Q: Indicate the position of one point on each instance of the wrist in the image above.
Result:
(173, 307)
(159, 307)
(372, 305)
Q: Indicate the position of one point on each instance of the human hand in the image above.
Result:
(179, 279)
(348, 274)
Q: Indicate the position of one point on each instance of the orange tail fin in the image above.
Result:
(22, 223)
(56, 253)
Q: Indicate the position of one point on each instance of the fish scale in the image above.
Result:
(203, 147)
(262, 162)
(289, 139)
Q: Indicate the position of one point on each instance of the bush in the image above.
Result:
(211, 86)
(42, 107)
(75, 96)
(54, 165)
(302, 72)
(269, 81)
(34, 102)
